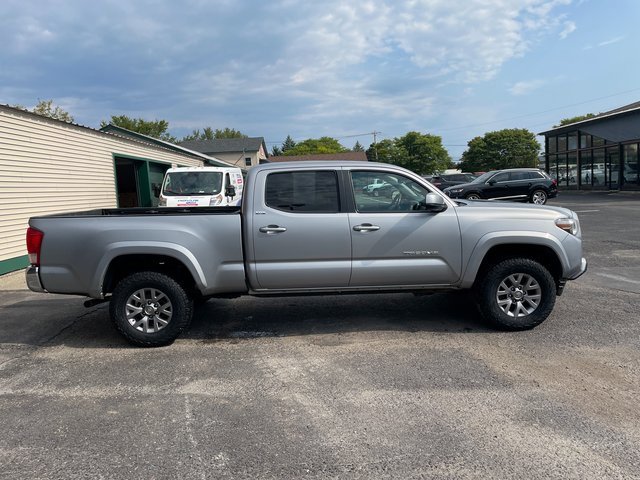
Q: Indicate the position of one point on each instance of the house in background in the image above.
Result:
(344, 156)
(49, 166)
(240, 152)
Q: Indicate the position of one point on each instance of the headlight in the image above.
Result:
(569, 225)
(217, 200)
(455, 190)
(162, 201)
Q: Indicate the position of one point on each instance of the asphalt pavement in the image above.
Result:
(364, 386)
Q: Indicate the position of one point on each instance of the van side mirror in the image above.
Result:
(230, 191)
(434, 203)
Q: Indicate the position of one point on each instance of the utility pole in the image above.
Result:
(375, 147)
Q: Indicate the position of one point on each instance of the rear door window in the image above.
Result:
(304, 192)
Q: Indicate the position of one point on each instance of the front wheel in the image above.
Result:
(516, 294)
(472, 196)
(539, 197)
(150, 309)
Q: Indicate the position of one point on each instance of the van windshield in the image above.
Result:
(193, 183)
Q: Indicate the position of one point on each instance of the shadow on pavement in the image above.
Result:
(64, 321)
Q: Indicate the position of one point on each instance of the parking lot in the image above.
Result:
(363, 386)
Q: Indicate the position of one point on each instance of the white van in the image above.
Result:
(201, 187)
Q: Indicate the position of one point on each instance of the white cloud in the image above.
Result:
(526, 87)
(569, 27)
(610, 42)
(604, 43)
(468, 40)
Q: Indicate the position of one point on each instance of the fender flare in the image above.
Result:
(167, 249)
(495, 239)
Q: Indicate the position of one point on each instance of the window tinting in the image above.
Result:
(307, 192)
(519, 176)
(562, 143)
(500, 177)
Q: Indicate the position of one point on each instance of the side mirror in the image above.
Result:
(434, 203)
(491, 182)
(230, 191)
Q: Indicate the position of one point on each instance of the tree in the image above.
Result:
(508, 148)
(288, 144)
(152, 128)
(276, 151)
(206, 134)
(420, 153)
(357, 147)
(316, 145)
(566, 121)
(228, 133)
(47, 109)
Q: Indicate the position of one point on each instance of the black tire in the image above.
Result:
(539, 197)
(490, 285)
(376, 193)
(176, 305)
(472, 196)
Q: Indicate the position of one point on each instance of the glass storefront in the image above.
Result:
(631, 172)
(553, 166)
(581, 160)
(612, 165)
(586, 169)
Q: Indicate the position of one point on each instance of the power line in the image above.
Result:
(332, 136)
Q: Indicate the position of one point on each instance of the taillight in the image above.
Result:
(34, 244)
(554, 181)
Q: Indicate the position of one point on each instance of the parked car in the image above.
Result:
(445, 180)
(514, 184)
(377, 188)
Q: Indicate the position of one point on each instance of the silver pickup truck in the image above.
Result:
(308, 228)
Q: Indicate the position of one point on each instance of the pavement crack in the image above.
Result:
(69, 326)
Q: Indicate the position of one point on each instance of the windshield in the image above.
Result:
(485, 176)
(193, 183)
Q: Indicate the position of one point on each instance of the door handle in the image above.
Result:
(366, 227)
(271, 229)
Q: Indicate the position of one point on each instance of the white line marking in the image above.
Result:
(618, 277)
(585, 211)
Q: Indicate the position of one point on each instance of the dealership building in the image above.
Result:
(600, 153)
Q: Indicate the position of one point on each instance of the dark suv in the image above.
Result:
(514, 184)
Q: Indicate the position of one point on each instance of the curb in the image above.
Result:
(13, 281)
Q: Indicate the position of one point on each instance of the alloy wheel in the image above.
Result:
(148, 310)
(539, 197)
(519, 295)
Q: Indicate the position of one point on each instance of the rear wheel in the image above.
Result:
(150, 309)
(539, 197)
(516, 294)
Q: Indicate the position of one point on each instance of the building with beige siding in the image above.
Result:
(49, 166)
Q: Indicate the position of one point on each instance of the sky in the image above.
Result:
(453, 68)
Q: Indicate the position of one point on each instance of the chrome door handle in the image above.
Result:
(272, 229)
(366, 227)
